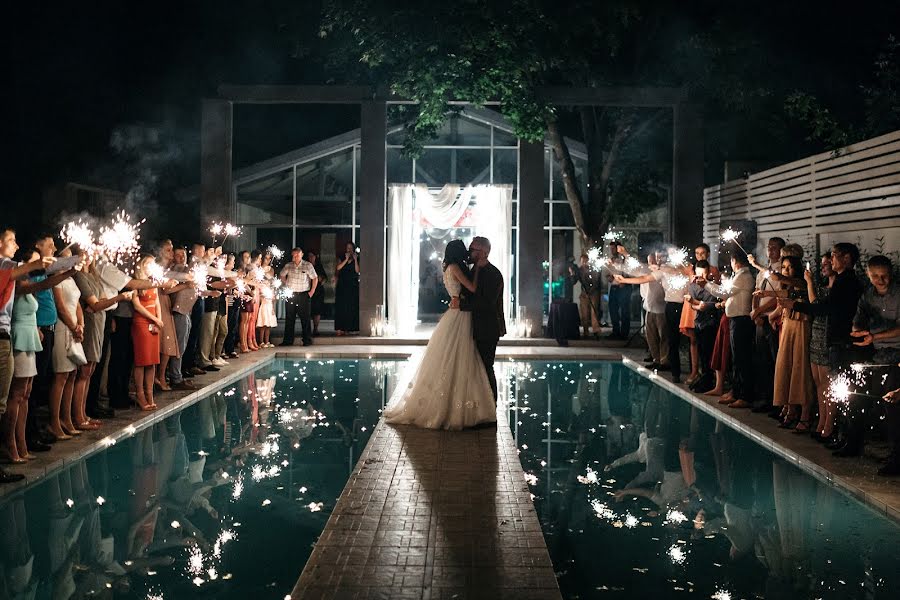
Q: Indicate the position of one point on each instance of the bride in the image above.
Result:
(450, 389)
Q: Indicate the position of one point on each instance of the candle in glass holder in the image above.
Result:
(379, 327)
(520, 328)
(372, 327)
(528, 328)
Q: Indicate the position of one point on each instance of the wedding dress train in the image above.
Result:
(450, 388)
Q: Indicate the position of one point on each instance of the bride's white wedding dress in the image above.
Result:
(450, 389)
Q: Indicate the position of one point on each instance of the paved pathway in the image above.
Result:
(434, 515)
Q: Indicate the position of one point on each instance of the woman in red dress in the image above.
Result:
(145, 328)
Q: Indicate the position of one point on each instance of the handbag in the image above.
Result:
(75, 352)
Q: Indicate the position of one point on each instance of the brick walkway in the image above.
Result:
(435, 515)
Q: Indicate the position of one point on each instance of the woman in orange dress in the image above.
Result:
(145, 331)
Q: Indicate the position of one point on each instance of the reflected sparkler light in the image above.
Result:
(721, 594)
(631, 521)
(314, 506)
(675, 516)
(238, 487)
(677, 554)
(589, 477)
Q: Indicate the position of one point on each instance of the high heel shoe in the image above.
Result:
(803, 426)
(73, 432)
(789, 422)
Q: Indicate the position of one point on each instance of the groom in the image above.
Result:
(486, 306)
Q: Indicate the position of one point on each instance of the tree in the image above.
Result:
(505, 51)
(736, 63)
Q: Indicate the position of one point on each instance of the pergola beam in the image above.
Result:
(354, 94)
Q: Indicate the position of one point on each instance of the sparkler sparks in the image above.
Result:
(839, 389)
(276, 252)
(730, 235)
(199, 275)
(678, 256)
(677, 554)
(120, 241)
(631, 263)
(78, 232)
(676, 282)
(675, 516)
(156, 273)
(259, 274)
(727, 284)
(612, 235)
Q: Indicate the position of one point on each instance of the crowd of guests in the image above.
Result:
(134, 330)
(817, 348)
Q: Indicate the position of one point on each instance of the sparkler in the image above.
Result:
(678, 256)
(230, 229)
(199, 274)
(156, 273)
(216, 229)
(78, 232)
(120, 240)
(276, 252)
(727, 284)
(839, 390)
(259, 274)
(676, 282)
(631, 263)
(730, 235)
(612, 235)
(267, 293)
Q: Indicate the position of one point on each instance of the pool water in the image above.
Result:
(223, 500)
(691, 509)
(227, 498)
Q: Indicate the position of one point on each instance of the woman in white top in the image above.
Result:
(450, 389)
(69, 335)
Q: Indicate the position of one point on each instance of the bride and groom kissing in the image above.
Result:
(454, 386)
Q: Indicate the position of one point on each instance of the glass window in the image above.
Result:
(469, 166)
(460, 131)
(504, 138)
(506, 167)
(324, 189)
(559, 191)
(433, 167)
(399, 167)
(562, 215)
(266, 201)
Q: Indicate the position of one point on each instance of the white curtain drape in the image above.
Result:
(403, 260)
(492, 219)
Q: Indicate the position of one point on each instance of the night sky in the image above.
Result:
(79, 71)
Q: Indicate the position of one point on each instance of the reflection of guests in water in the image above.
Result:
(16, 559)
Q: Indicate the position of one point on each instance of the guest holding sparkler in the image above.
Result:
(619, 293)
(346, 292)
(189, 357)
(738, 295)
(674, 280)
(145, 330)
(589, 299)
(182, 297)
(839, 307)
(706, 322)
(168, 337)
(793, 391)
(876, 327)
(766, 338)
(68, 355)
(255, 278)
(94, 303)
(818, 289)
(266, 319)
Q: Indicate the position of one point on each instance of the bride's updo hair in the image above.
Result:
(456, 254)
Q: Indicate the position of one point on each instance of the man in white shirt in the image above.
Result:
(300, 277)
(674, 282)
(738, 306)
(766, 338)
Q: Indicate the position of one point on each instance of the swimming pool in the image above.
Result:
(728, 519)
(226, 498)
(222, 500)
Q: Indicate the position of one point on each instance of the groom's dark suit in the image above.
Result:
(488, 323)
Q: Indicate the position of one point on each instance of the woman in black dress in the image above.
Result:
(317, 302)
(346, 293)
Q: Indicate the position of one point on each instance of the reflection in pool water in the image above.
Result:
(642, 495)
(639, 495)
(223, 500)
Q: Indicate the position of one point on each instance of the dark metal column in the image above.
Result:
(215, 162)
(531, 231)
(373, 129)
(687, 175)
